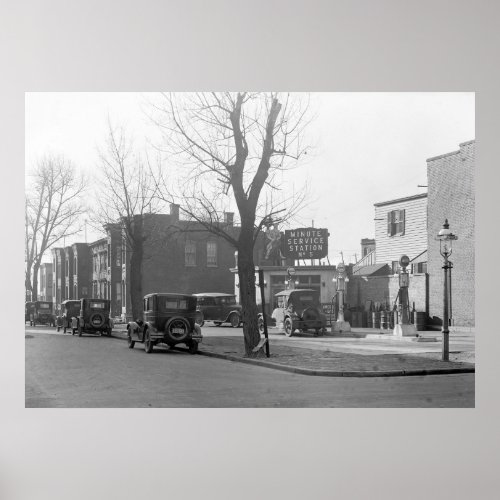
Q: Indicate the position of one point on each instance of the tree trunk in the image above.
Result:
(246, 273)
(27, 281)
(34, 284)
(136, 296)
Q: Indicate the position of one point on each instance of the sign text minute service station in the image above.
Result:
(306, 243)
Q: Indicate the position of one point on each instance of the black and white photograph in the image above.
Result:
(309, 249)
(255, 246)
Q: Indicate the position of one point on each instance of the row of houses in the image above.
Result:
(179, 256)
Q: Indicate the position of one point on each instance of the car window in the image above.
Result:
(97, 305)
(44, 306)
(175, 303)
(209, 301)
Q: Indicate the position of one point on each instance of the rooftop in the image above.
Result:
(398, 200)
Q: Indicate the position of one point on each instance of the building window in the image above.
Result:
(118, 256)
(211, 254)
(396, 223)
(420, 267)
(190, 253)
(308, 281)
(395, 266)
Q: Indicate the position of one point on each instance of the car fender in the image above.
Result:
(237, 311)
(149, 326)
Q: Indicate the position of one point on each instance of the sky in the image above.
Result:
(365, 148)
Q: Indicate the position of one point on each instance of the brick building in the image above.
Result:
(451, 195)
(45, 282)
(58, 276)
(410, 226)
(181, 256)
(68, 273)
(81, 271)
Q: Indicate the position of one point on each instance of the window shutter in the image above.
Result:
(389, 223)
(401, 223)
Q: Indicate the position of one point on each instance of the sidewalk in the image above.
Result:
(337, 356)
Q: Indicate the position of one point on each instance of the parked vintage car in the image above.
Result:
(70, 309)
(94, 317)
(298, 309)
(39, 313)
(169, 318)
(219, 308)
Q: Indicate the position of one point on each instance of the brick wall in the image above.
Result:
(451, 195)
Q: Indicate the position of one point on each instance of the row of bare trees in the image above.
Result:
(223, 151)
(53, 210)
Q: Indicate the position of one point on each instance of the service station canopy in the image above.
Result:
(306, 243)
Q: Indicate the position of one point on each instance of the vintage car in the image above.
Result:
(94, 317)
(70, 309)
(169, 318)
(39, 313)
(298, 309)
(219, 308)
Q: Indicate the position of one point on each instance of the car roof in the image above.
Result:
(169, 294)
(213, 294)
(284, 293)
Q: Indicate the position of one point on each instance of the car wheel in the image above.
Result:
(193, 347)
(234, 319)
(199, 318)
(288, 327)
(177, 329)
(97, 320)
(148, 343)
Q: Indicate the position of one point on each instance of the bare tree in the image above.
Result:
(53, 207)
(234, 149)
(126, 195)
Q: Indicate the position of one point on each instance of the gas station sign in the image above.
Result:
(306, 243)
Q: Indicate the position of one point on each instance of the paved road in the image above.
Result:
(90, 371)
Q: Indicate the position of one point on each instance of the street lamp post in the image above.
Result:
(446, 237)
(341, 325)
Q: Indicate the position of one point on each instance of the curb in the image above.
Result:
(333, 373)
(330, 373)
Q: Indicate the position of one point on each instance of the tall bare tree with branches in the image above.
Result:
(126, 195)
(53, 207)
(233, 149)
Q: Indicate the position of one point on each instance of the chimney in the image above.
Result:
(174, 212)
(229, 218)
